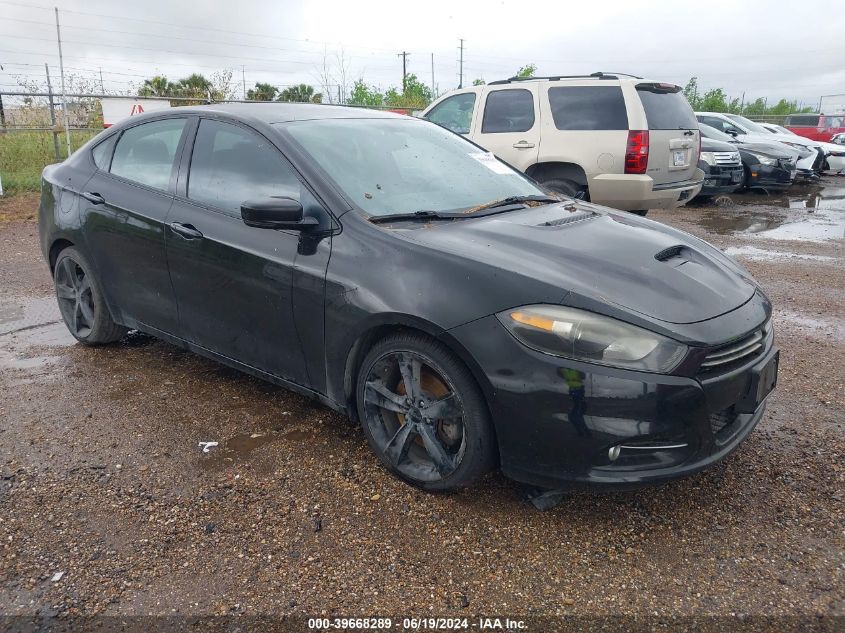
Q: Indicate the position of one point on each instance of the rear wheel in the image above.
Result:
(81, 303)
(640, 212)
(567, 187)
(423, 413)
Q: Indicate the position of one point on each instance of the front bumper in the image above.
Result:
(719, 179)
(556, 419)
(633, 192)
(771, 176)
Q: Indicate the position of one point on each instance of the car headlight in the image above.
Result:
(590, 337)
(764, 160)
(708, 158)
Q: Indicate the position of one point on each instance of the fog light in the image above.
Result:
(613, 453)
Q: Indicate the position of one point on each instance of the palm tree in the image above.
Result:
(303, 93)
(262, 92)
(195, 85)
(157, 86)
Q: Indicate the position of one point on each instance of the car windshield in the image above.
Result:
(716, 135)
(404, 165)
(748, 124)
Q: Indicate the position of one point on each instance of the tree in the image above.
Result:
(526, 71)
(691, 93)
(262, 92)
(303, 93)
(195, 85)
(364, 95)
(157, 86)
(416, 95)
(478, 82)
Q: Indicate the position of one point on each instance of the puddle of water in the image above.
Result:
(814, 228)
(796, 197)
(34, 355)
(761, 254)
(20, 312)
(237, 448)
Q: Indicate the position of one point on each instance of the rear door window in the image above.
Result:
(231, 164)
(588, 108)
(145, 153)
(666, 109)
(103, 151)
(454, 113)
(508, 111)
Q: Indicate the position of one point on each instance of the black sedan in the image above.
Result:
(766, 166)
(403, 276)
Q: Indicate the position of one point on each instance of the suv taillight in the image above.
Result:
(636, 154)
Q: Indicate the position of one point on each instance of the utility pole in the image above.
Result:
(461, 71)
(404, 56)
(102, 85)
(53, 133)
(742, 104)
(433, 95)
(243, 79)
(62, 72)
(2, 111)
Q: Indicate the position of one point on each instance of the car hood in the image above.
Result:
(599, 257)
(775, 151)
(712, 145)
(786, 138)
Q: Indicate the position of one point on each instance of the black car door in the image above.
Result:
(125, 206)
(234, 283)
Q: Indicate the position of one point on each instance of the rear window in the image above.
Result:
(666, 110)
(588, 108)
(797, 120)
(834, 121)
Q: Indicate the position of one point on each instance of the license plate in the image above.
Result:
(763, 380)
(793, 173)
(679, 157)
(736, 176)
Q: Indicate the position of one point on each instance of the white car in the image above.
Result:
(835, 151)
(747, 131)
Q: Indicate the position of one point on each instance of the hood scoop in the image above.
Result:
(576, 216)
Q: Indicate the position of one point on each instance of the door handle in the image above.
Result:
(523, 145)
(188, 231)
(93, 198)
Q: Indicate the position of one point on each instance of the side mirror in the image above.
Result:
(276, 212)
(732, 131)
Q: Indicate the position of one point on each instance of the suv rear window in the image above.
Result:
(666, 109)
(508, 111)
(811, 120)
(588, 108)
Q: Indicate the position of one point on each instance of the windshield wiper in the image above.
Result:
(511, 201)
(416, 215)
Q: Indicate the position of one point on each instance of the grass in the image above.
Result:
(24, 154)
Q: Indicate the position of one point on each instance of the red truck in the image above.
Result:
(819, 127)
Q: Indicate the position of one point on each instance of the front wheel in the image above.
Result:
(640, 212)
(423, 413)
(81, 302)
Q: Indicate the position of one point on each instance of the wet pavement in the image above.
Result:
(103, 477)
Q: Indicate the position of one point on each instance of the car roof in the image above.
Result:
(273, 112)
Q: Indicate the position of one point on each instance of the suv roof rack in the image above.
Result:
(596, 75)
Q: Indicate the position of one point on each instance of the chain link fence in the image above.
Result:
(35, 131)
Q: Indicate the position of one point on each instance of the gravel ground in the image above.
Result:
(108, 506)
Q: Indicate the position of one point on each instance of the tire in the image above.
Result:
(640, 212)
(567, 187)
(80, 298)
(431, 453)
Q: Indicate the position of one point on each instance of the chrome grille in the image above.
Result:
(727, 159)
(738, 350)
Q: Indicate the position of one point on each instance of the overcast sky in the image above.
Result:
(768, 49)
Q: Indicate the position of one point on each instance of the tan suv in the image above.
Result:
(616, 140)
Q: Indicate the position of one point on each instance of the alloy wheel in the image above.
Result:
(76, 300)
(415, 415)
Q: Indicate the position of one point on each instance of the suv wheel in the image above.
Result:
(568, 188)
